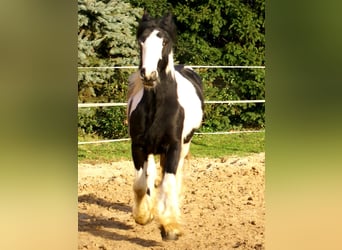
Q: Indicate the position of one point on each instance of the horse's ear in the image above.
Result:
(168, 19)
(169, 25)
(145, 16)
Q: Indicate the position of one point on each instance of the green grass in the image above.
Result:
(211, 146)
(104, 152)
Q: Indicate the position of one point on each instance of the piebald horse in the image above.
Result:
(165, 106)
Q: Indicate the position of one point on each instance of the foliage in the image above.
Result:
(214, 32)
(106, 33)
(106, 37)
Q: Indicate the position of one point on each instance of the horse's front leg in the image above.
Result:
(143, 187)
(168, 203)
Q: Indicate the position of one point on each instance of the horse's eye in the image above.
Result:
(165, 42)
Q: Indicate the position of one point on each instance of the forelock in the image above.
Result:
(146, 27)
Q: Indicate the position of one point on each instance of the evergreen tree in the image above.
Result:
(106, 37)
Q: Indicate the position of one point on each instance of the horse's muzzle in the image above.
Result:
(149, 79)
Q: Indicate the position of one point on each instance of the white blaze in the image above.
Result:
(151, 52)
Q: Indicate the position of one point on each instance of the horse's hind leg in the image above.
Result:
(144, 192)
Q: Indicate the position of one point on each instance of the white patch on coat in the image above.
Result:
(179, 175)
(140, 181)
(191, 103)
(145, 176)
(170, 68)
(151, 174)
(151, 52)
(170, 196)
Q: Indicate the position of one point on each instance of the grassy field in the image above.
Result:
(211, 146)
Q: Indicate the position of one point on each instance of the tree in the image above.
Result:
(106, 37)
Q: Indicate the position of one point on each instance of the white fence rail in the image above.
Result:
(191, 66)
(118, 104)
(196, 133)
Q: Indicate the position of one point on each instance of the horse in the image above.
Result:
(165, 107)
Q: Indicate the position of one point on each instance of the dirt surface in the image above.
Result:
(223, 206)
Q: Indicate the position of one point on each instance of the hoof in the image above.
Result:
(170, 232)
(144, 220)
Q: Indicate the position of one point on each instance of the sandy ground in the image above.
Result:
(223, 206)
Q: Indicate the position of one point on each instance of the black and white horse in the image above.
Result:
(165, 106)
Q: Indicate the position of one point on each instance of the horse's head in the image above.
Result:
(155, 37)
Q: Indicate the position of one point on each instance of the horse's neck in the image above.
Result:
(166, 89)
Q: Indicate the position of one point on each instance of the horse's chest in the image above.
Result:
(153, 116)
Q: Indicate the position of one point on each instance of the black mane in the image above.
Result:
(164, 24)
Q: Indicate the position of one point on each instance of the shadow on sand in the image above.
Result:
(97, 225)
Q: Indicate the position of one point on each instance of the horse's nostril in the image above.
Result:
(148, 77)
(142, 72)
(154, 75)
